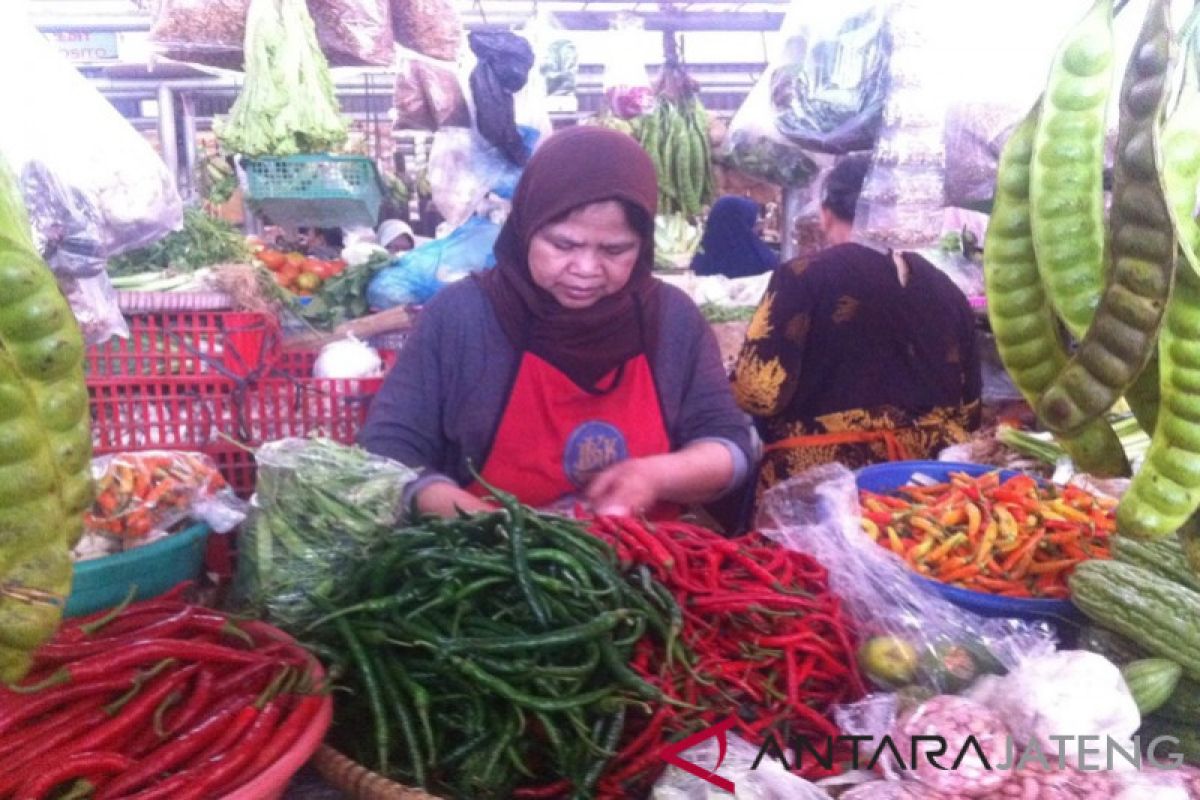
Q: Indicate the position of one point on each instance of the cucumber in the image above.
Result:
(1162, 616)
(1162, 556)
(1183, 705)
(1151, 682)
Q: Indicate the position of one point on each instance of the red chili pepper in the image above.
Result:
(55, 652)
(72, 767)
(141, 652)
(50, 724)
(167, 789)
(215, 774)
(135, 714)
(28, 708)
(557, 789)
(177, 751)
(289, 731)
(32, 757)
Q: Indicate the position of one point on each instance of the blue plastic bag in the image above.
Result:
(419, 274)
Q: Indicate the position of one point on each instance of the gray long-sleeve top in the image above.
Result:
(440, 405)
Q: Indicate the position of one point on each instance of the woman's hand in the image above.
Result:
(444, 499)
(626, 488)
(696, 474)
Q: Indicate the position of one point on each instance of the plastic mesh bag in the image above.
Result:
(318, 506)
(144, 493)
(912, 635)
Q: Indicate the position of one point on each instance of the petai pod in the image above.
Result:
(45, 440)
(1066, 178)
(1166, 491)
(1022, 321)
(1121, 338)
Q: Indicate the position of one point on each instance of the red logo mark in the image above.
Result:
(671, 755)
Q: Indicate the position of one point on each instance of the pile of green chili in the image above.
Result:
(490, 652)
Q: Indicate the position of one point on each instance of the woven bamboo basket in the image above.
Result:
(358, 782)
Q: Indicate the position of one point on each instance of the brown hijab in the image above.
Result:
(573, 168)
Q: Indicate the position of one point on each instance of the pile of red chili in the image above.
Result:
(159, 699)
(766, 640)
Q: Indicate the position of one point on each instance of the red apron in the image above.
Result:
(554, 436)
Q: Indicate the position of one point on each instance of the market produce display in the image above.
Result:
(1015, 537)
(767, 640)
(46, 442)
(1050, 213)
(675, 135)
(173, 261)
(297, 272)
(156, 699)
(287, 103)
(489, 652)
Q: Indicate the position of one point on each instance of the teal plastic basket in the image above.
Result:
(104, 582)
(322, 191)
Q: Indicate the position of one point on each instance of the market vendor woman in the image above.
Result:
(857, 355)
(568, 370)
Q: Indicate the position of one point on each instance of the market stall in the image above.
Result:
(208, 588)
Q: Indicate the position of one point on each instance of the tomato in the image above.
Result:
(337, 267)
(272, 259)
(287, 274)
(297, 260)
(308, 282)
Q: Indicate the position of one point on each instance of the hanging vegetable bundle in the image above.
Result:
(287, 104)
(1049, 257)
(45, 441)
(675, 135)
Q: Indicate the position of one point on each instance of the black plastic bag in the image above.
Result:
(502, 70)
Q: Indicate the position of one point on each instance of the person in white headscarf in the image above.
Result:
(396, 236)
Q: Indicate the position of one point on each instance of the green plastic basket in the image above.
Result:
(322, 191)
(154, 568)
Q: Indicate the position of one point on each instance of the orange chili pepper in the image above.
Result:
(943, 549)
(960, 574)
(1051, 567)
(974, 520)
(985, 546)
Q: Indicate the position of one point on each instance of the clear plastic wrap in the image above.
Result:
(828, 87)
(94, 186)
(318, 506)
(911, 636)
(734, 759)
(464, 168)
(755, 147)
(626, 82)
(141, 495)
(902, 200)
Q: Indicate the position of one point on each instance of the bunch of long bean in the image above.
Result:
(490, 652)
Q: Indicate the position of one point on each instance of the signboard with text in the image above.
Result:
(86, 46)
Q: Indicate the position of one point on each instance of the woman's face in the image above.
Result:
(587, 256)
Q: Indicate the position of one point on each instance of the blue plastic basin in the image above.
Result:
(104, 582)
(887, 478)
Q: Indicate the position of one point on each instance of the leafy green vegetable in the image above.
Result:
(287, 105)
(716, 313)
(202, 242)
(342, 297)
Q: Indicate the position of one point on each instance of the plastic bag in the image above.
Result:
(318, 506)
(768, 781)
(429, 97)
(911, 635)
(827, 90)
(144, 493)
(902, 200)
(464, 169)
(352, 33)
(626, 82)
(755, 147)
(421, 273)
(428, 27)
(502, 69)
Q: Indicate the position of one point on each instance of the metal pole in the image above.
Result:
(793, 204)
(187, 139)
(167, 129)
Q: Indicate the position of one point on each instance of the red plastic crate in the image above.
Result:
(216, 383)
